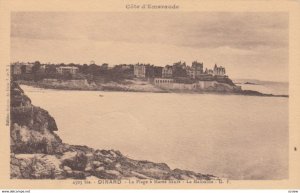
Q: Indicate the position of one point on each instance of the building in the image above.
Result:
(158, 71)
(209, 71)
(67, 69)
(42, 68)
(197, 68)
(28, 68)
(195, 71)
(139, 70)
(163, 81)
(153, 71)
(179, 69)
(167, 72)
(190, 72)
(147, 71)
(219, 71)
(16, 68)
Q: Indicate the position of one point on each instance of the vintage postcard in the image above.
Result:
(150, 94)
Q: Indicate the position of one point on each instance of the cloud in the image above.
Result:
(242, 30)
(243, 42)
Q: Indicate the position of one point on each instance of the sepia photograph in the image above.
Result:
(150, 96)
(163, 96)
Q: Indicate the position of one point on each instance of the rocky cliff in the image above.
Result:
(38, 153)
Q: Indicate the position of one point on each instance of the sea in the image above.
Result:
(229, 136)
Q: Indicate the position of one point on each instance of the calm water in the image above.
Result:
(239, 137)
(268, 87)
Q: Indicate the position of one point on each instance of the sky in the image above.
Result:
(251, 45)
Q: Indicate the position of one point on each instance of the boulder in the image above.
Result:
(67, 169)
(74, 160)
(78, 175)
(107, 174)
(35, 166)
(98, 169)
(97, 163)
(88, 168)
(26, 140)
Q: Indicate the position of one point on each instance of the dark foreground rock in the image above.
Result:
(103, 164)
(38, 153)
(256, 93)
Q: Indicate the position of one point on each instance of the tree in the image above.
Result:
(50, 69)
(23, 69)
(84, 68)
(36, 66)
(93, 69)
(67, 76)
(179, 69)
(35, 69)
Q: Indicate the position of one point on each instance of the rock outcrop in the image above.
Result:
(32, 128)
(38, 153)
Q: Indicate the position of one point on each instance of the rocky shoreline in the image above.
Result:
(37, 152)
(222, 88)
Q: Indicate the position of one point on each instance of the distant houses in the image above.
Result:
(27, 68)
(139, 71)
(21, 68)
(17, 68)
(178, 72)
(167, 72)
(178, 76)
(195, 71)
(216, 71)
(67, 69)
(147, 71)
(219, 71)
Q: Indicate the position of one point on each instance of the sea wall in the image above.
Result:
(199, 86)
(126, 86)
(81, 84)
(37, 152)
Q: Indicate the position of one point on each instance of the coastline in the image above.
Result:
(117, 87)
(37, 152)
